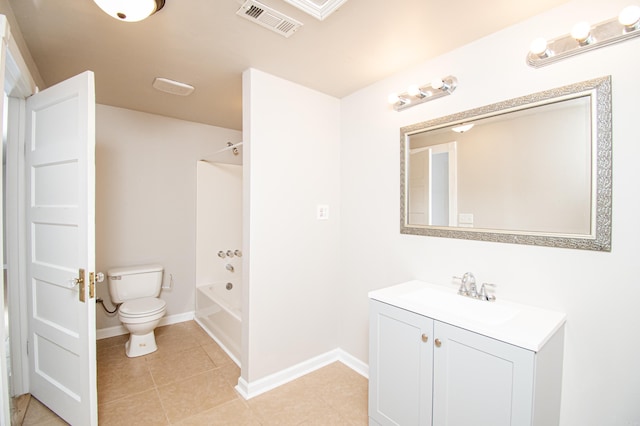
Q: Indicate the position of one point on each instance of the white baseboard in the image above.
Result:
(119, 330)
(353, 363)
(250, 390)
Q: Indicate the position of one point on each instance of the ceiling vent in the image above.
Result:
(268, 18)
(172, 86)
(319, 9)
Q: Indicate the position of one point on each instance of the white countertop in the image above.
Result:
(521, 325)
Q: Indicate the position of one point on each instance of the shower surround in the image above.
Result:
(219, 254)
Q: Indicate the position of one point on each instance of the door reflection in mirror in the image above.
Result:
(433, 185)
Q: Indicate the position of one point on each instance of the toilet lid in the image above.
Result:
(144, 306)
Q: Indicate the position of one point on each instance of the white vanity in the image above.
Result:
(438, 358)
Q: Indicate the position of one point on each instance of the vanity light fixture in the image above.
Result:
(130, 11)
(584, 37)
(415, 95)
(463, 128)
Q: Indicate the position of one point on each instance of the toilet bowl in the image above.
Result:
(141, 317)
(136, 289)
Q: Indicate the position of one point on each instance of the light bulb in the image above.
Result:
(437, 83)
(539, 47)
(127, 10)
(582, 32)
(393, 98)
(414, 90)
(630, 16)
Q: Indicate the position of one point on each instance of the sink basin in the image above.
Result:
(521, 325)
(492, 313)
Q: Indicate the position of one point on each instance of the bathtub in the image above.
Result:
(218, 311)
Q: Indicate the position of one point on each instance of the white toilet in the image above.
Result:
(137, 289)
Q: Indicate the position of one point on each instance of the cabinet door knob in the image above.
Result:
(438, 343)
(425, 338)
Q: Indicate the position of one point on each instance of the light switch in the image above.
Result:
(465, 220)
(323, 212)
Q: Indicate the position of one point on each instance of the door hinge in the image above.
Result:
(27, 348)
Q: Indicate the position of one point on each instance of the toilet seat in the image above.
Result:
(144, 307)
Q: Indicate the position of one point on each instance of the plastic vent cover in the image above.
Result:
(268, 18)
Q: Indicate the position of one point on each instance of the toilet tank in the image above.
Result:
(134, 282)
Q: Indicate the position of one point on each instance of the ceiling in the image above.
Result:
(205, 44)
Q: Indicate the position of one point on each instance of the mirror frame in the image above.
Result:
(599, 90)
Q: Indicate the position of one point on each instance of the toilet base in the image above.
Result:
(140, 344)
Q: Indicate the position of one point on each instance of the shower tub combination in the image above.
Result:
(218, 311)
(218, 249)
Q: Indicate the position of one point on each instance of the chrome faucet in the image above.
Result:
(483, 295)
(470, 280)
(468, 288)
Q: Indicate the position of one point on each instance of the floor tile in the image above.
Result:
(217, 355)
(121, 379)
(175, 338)
(290, 404)
(39, 414)
(140, 409)
(183, 399)
(235, 412)
(190, 380)
(178, 365)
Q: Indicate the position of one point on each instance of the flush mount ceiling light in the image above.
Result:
(130, 10)
(415, 95)
(319, 9)
(463, 128)
(584, 37)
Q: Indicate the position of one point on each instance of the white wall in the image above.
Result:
(597, 290)
(291, 164)
(146, 197)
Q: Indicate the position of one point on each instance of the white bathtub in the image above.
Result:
(218, 311)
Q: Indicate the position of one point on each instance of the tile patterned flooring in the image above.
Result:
(190, 381)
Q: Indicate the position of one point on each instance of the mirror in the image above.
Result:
(531, 170)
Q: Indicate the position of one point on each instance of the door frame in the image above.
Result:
(451, 148)
(18, 84)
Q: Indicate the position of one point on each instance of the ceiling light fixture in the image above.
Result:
(415, 95)
(128, 10)
(585, 37)
(319, 9)
(463, 128)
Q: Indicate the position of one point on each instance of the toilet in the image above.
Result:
(137, 289)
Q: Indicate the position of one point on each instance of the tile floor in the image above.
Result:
(190, 381)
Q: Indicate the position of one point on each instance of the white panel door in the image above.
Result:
(60, 145)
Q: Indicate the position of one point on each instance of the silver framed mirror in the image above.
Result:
(531, 170)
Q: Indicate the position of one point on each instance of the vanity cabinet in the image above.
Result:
(427, 372)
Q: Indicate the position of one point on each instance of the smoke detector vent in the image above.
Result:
(268, 18)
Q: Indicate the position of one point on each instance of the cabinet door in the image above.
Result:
(401, 361)
(480, 381)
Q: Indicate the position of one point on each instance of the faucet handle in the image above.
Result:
(463, 285)
(483, 292)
